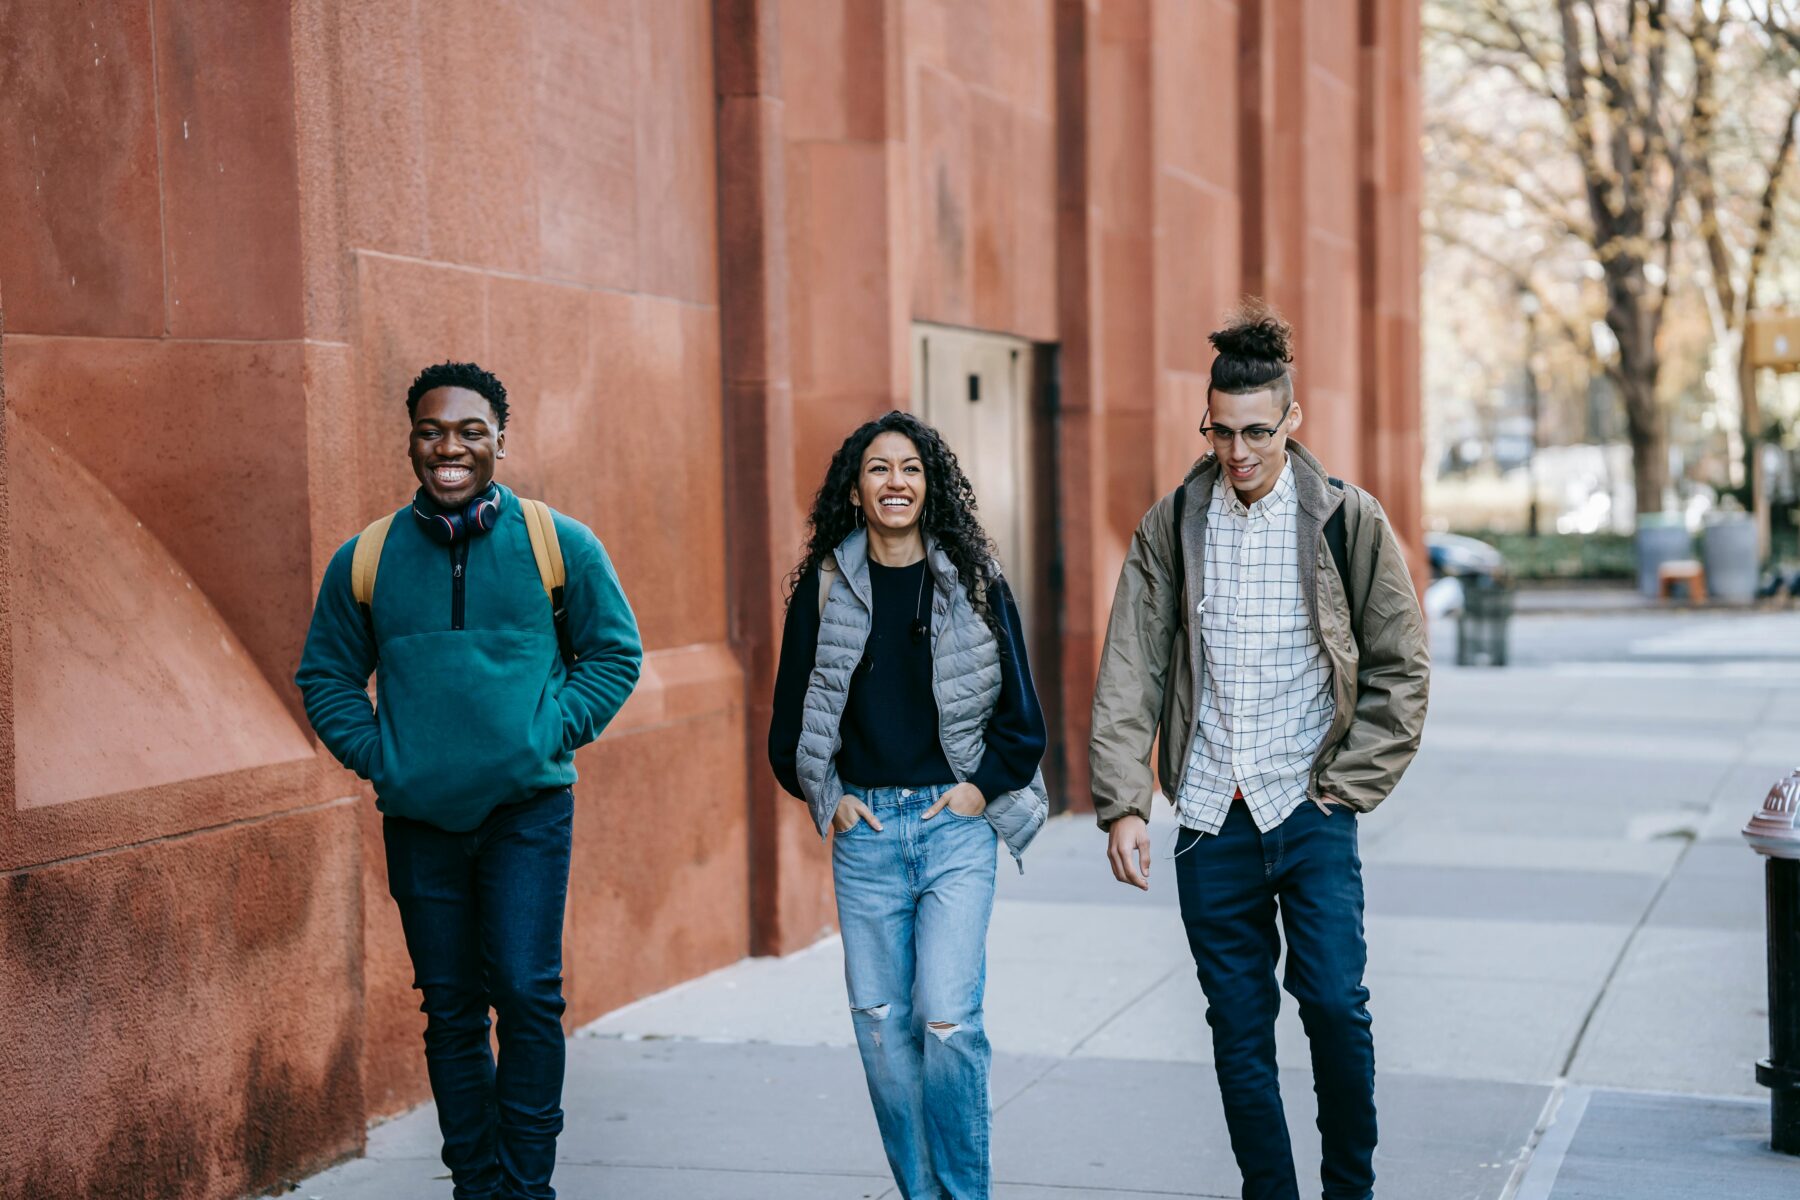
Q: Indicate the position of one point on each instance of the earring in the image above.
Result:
(859, 515)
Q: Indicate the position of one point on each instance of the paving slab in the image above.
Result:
(1158, 1126)
(1408, 846)
(1489, 1040)
(1662, 1147)
(1419, 969)
(1760, 636)
(1057, 973)
(1523, 951)
(798, 1000)
(1571, 815)
(677, 1105)
(1687, 1012)
(1093, 959)
(1718, 885)
(1605, 780)
(697, 1120)
(577, 1181)
(1549, 741)
(1476, 893)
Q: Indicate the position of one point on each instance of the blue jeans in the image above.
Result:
(1231, 884)
(913, 903)
(483, 914)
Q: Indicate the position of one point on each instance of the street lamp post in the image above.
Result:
(1529, 305)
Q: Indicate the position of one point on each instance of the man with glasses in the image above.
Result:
(1266, 626)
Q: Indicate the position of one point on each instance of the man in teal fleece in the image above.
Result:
(471, 747)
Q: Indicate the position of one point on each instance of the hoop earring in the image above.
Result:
(859, 515)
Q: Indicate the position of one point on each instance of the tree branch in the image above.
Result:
(1765, 215)
(1521, 280)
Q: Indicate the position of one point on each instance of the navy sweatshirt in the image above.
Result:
(890, 722)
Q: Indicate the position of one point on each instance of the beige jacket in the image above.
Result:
(1150, 665)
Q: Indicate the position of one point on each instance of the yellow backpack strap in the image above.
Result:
(552, 571)
(365, 560)
(544, 546)
(828, 573)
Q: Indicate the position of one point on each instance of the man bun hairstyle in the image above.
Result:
(458, 375)
(1256, 351)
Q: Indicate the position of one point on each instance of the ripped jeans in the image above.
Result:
(913, 901)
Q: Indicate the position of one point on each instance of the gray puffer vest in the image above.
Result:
(965, 677)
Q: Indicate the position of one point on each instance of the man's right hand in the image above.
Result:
(850, 810)
(1128, 850)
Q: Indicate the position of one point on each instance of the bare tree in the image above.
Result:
(1735, 276)
(1627, 83)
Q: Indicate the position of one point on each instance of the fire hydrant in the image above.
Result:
(1775, 833)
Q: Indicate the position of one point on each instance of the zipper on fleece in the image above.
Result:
(459, 570)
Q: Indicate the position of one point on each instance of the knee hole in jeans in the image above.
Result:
(874, 1014)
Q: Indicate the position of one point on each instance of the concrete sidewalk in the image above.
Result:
(1566, 963)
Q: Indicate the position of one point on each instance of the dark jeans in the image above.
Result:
(1231, 885)
(483, 913)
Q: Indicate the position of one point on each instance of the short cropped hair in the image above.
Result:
(460, 375)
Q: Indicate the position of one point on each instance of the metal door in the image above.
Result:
(976, 389)
(987, 394)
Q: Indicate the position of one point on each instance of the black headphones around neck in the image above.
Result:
(478, 516)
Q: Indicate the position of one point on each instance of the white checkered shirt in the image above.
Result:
(1265, 699)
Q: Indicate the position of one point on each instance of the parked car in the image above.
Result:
(1456, 556)
(1472, 582)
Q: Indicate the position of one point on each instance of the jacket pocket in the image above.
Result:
(468, 719)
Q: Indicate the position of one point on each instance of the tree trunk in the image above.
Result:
(1649, 437)
(1753, 428)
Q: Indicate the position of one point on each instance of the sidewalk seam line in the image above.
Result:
(1618, 962)
(1544, 1160)
(1122, 1010)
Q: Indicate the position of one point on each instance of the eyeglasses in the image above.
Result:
(1257, 436)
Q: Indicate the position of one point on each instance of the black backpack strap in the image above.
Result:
(1180, 548)
(1338, 539)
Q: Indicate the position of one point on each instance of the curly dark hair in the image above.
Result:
(949, 513)
(460, 375)
(1256, 350)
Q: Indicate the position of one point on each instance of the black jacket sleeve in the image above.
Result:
(799, 646)
(1016, 736)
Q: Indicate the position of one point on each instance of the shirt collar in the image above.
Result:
(1280, 496)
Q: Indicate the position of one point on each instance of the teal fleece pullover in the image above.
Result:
(475, 712)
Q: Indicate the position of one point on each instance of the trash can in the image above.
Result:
(1481, 627)
(1661, 538)
(1728, 551)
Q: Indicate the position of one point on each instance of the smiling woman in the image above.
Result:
(905, 716)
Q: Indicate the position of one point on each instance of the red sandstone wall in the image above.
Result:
(980, 86)
(691, 235)
(245, 230)
(182, 974)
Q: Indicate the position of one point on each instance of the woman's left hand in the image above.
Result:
(965, 800)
